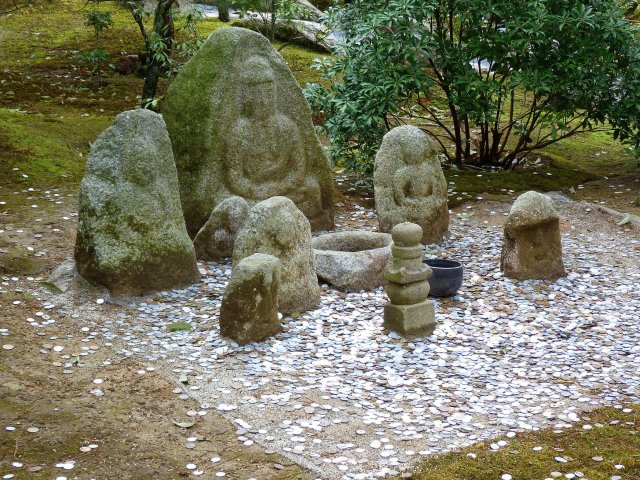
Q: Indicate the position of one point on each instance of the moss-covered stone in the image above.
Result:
(532, 247)
(131, 234)
(276, 227)
(249, 310)
(240, 125)
(409, 185)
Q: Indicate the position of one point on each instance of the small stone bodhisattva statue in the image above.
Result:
(409, 185)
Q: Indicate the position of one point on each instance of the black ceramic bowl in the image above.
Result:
(446, 278)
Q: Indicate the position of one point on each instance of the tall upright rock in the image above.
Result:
(276, 227)
(409, 185)
(240, 126)
(131, 236)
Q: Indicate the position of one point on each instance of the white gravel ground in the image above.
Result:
(341, 396)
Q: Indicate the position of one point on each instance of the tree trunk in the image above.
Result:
(274, 15)
(162, 26)
(223, 10)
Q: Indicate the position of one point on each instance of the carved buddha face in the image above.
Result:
(258, 92)
(415, 153)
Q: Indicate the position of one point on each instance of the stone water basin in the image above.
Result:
(352, 261)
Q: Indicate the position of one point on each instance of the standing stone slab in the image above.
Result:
(532, 248)
(276, 227)
(249, 311)
(409, 311)
(409, 185)
(216, 238)
(131, 234)
(240, 125)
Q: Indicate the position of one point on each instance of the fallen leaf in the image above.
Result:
(184, 424)
(52, 287)
(625, 220)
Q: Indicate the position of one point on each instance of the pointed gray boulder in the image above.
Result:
(276, 227)
(131, 236)
(240, 125)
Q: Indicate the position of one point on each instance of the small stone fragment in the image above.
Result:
(249, 311)
(216, 238)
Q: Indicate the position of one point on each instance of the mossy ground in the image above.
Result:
(576, 167)
(46, 148)
(51, 108)
(618, 443)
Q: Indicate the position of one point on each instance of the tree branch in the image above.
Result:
(434, 117)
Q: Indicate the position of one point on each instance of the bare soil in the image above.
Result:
(133, 422)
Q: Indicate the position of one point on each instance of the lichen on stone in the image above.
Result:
(240, 125)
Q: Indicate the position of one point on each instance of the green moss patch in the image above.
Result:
(179, 327)
(46, 149)
(605, 443)
(563, 166)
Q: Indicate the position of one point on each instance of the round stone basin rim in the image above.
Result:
(352, 241)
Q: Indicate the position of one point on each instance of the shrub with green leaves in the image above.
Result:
(99, 20)
(489, 80)
(97, 58)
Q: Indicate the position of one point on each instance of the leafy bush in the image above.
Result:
(489, 80)
(171, 42)
(97, 58)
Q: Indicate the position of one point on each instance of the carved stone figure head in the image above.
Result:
(258, 93)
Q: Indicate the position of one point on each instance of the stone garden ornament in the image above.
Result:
(352, 261)
(131, 234)
(532, 248)
(240, 126)
(276, 227)
(216, 238)
(249, 311)
(409, 312)
(409, 185)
